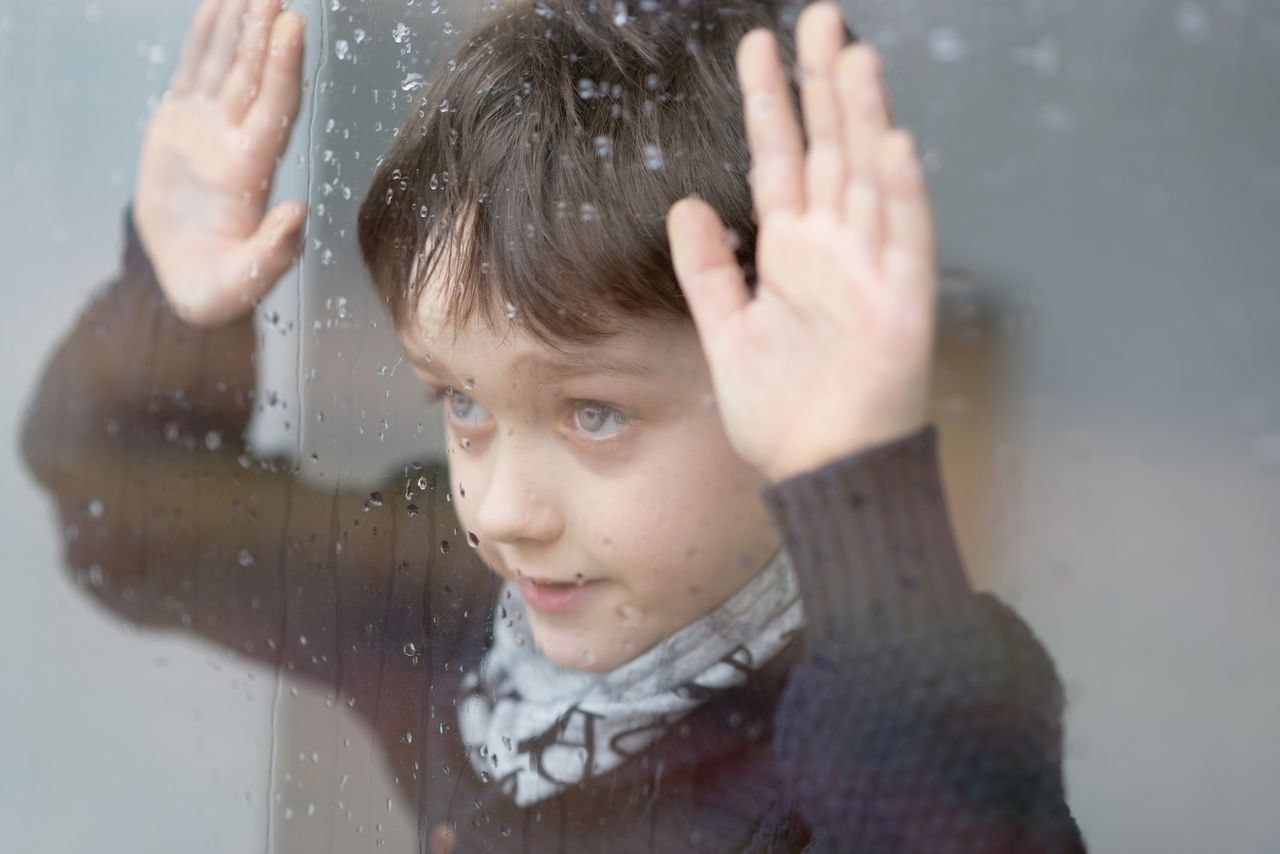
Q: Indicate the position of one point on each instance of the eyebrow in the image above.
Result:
(558, 370)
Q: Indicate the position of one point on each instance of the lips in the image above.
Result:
(556, 596)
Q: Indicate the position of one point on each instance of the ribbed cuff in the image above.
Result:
(872, 544)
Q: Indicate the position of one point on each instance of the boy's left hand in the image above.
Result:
(831, 356)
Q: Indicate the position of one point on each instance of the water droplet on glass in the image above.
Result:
(412, 82)
(359, 35)
(586, 88)
(411, 649)
(375, 499)
(619, 14)
(652, 156)
(342, 48)
(246, 558)
(1193, 23)
(1044, 58)
(400, 33)
(213, 440)
(96, 508)
(946, 45)
(630, 615)
(473, 539)
(512, 312)
(408, 738)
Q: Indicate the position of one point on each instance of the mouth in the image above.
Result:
(554, 596)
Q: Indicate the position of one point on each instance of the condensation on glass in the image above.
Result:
(1104, 181)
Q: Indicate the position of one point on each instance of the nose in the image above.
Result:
(515, 505)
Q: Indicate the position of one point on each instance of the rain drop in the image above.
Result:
(412, 82)
(947, 46)
(652, 157)
(630, 615)
(342, 48)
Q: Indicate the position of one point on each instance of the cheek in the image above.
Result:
(694, 527)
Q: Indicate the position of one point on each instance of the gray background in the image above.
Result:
(1107, 178)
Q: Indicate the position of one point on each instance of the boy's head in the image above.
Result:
(516, 230)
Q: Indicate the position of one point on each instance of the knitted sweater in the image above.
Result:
(913, 715)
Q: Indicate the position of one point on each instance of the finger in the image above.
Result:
(705, 266)
(197, 41)
(275, 246)
(241, 85)
(864, 215)
(819, 38)
(864, 109)
(222, 47)
(280, 93)
(909, 247)
(773, 135)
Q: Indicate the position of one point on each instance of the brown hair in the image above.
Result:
(538, 166)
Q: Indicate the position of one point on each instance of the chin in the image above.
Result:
(574, 652)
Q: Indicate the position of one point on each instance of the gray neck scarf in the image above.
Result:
(538, 729)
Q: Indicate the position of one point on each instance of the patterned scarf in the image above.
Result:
(538, 729)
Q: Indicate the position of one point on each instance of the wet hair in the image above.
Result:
(532, 178)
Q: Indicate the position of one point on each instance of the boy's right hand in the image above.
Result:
(208, 158)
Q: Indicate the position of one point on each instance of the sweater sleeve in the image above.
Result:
(924, 716)
(136, 434)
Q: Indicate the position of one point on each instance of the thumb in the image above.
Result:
(275, 246)
(705, 265)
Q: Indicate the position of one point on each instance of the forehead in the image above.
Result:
(482, 347)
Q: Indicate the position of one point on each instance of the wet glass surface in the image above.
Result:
(258, 646)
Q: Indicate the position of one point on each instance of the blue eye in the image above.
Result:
(464, 409)
(597, 420)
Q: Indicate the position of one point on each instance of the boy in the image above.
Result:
(712, 599)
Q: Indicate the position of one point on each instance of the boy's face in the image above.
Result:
(598, 479)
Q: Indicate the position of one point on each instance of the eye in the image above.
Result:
(598, 420)
(463, 409)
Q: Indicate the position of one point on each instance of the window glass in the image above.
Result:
(336, 565)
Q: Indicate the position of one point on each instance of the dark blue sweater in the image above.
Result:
(912, 715)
